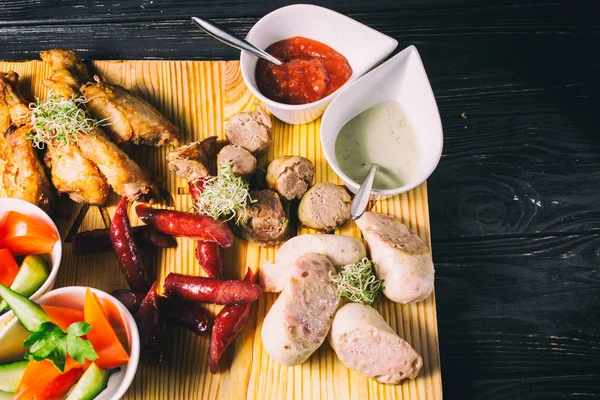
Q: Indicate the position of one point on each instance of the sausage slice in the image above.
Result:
(325, 207)
(290, 176)
(264, 221)
(365, 343)
(192, 160)
(250, 130)
(242, 162)
(299, 320)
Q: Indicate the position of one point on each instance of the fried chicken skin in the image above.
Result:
(120, 172)
(71, 172)
(132, 119)
(23, 176)
(68, 71)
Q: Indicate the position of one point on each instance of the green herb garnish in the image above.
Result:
(50, 342)
(223, 195)
(59, 120)
(358, 282)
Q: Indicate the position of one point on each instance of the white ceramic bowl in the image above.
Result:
(401, 78)
(23, 207)
(362, 46)
(13, 335)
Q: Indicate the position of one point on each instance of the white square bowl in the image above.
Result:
(403, 79)
(362, 46)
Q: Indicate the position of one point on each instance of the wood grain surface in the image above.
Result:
(200, 97)
(514, 203)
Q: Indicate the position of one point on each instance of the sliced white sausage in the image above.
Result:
(299, 320)
(341, 250)
(401, 258)
(365, 343)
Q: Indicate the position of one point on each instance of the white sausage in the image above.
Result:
(341, 250)
(365, 343)
(299, 320)
(401, 258)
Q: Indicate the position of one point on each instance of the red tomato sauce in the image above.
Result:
(312, 71)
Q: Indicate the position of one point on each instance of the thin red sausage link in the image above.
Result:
(209, 254)
(98, 240)
(126, 250)
(132, 301)
(188, 315)
(157, 239)
(210, 257)
(148, 323)
(228, 324)
(210, 290)
(193, 226)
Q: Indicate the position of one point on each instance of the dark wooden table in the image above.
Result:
(515, 200)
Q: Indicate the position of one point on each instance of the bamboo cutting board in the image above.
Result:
(200, 97)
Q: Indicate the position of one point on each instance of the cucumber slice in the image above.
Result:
(91, 384)
(10, 376)
(32, 275)
(30, 314)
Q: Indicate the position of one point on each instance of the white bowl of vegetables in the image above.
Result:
(73, 343)
(30, 251)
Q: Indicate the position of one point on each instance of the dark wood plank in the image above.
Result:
(519, 317)
(496, 60)
(517, 174)
(18, 11)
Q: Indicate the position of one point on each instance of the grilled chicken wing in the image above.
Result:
(71, 172)
(23, 176)
(132, 118)
(121, 172)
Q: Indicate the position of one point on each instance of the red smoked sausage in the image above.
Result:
(210, 290)
(193, 226)
(228, 324)
(148, 323)
(209, 254)
(126, 250)
(98, 240)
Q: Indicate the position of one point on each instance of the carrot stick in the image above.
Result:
(111, 353)
(8, 267)
(41, 375)
(63, 316)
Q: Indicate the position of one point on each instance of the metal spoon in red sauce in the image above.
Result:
(312, 71)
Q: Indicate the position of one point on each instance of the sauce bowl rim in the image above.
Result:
(330, 154)
(245, 58)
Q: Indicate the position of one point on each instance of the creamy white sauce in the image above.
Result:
(381, 134)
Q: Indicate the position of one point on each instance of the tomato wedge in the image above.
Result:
(24, 235)
(8, 267)
(42, 380)
(63, 316)
(111, 353)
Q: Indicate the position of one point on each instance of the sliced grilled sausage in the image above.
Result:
(290, 176)
(264, 221)
(242, 162)
(192, 161)
(250, 130)
(325, 207)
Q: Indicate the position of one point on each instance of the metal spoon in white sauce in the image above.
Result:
(359, 204)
